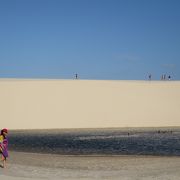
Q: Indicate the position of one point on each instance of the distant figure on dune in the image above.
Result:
(163, 77)
(169, 77)
(150, 76)
(3, 146)
(76, 76)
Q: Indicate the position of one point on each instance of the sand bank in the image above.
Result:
(44, 104)
(26, 166)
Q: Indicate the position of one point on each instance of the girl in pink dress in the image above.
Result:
(4, 146)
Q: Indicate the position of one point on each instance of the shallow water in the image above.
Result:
(112, 141)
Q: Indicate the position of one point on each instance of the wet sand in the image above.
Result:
(26, 166)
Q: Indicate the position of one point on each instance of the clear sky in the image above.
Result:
(98, 39)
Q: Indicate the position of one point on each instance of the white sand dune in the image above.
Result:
(33, 104)
(29, 166)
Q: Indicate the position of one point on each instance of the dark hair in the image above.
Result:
(4, 130)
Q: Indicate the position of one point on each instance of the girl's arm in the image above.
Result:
(1, 147)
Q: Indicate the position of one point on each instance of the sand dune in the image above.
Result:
(28, 104)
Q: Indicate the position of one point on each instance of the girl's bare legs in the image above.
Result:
(3, 159)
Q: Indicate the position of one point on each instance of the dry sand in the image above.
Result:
(34, 104)
(28, 166)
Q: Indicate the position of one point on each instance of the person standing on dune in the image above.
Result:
(3, 146)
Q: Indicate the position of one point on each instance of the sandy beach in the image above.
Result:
(31, 166)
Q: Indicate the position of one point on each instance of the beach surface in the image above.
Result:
(33, 166)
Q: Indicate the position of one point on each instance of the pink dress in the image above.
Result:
(4, 147)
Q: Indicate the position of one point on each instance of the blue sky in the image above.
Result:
(98, 39)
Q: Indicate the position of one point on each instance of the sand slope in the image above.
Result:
(82, 103)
